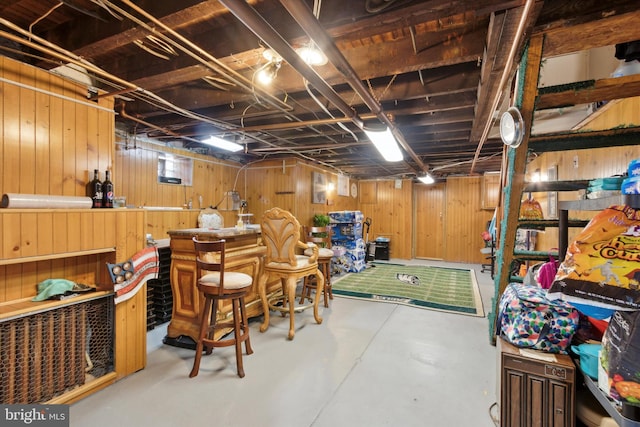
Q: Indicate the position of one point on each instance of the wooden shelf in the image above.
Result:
(542, 186)
(632, 200)
(535, 255)
(538, 224)
(21, 260)
(26, 307)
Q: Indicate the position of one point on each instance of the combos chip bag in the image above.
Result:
(602, 265)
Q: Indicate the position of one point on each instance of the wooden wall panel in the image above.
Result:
(465, 220)
(42, 133)
(622, 112)
(159, 222)
(288, 185)
(46, 141)
(430, 217)
(130, 316)
(31, 238)
(11, 128)
(27, 147)
(138, 166)
(391, 216)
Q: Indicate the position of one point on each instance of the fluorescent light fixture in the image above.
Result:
(214, 141)
(312, 55)
(382, 138)
(426, 179)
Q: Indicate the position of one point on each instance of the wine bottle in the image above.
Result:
(107, 191)
(94, 190)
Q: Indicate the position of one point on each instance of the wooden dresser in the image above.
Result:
(536, 389)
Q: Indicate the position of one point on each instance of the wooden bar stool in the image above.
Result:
(321, 237)
(216, 285)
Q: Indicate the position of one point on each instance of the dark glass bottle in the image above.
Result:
(94, 190)
(107, 191)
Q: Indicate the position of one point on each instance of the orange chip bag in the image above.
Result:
(530, 209)
(602, 265)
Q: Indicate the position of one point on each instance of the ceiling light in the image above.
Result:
(271, 55)
(382, 138)
(269, 71)
(214, 141)
(426, 179)
(312, 55)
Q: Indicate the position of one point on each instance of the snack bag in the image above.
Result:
(602, 265)
(530, 209)
(620, 356)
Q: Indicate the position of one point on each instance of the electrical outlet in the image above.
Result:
(575, 162)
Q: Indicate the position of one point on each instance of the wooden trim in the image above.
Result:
(21, 260)
(85, 390)
(26, 306)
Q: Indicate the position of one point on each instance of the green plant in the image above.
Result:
(321, 220)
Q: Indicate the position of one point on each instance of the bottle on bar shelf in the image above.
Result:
(94, 190)
(107, 191)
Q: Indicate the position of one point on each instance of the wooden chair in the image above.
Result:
(321, 237)
(217, 284)
(281, 237)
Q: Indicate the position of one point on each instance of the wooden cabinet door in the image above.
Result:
(560, 404)
(513, 394)
(490, 190)
(536, 406)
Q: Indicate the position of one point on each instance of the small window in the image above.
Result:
(175, 169)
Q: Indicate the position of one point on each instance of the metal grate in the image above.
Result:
(46, 354)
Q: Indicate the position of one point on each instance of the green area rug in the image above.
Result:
(438, 288)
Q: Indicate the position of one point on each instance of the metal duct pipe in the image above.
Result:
(261, 28)
(305, 18)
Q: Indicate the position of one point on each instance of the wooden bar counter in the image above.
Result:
(243, 253)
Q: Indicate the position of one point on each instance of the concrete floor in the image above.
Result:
(367, 364)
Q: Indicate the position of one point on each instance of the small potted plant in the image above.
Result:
(321, 220)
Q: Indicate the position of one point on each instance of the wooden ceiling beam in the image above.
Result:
(588, 92)
(605, 31)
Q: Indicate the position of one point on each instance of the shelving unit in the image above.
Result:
(74, 244)
(529, 98)
(608, 404)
